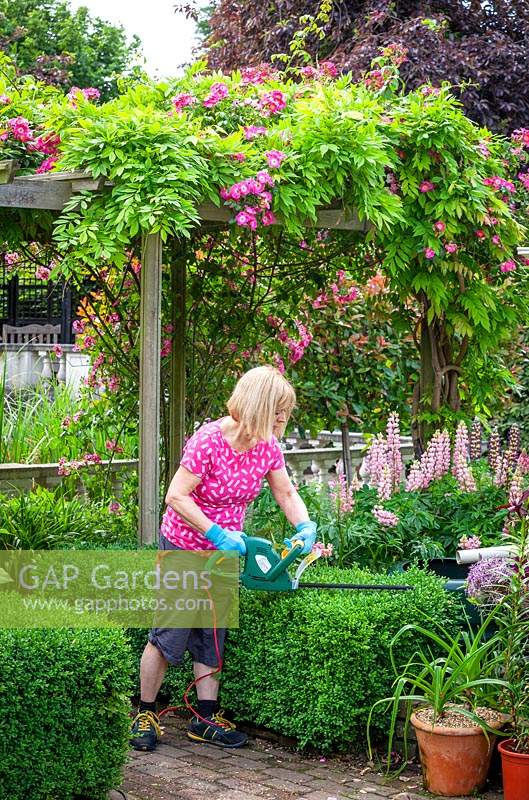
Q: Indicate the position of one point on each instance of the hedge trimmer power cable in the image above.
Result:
(195, 681)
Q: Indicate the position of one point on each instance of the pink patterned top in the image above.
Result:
(229, 482)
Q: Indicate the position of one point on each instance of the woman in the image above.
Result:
(221, 472)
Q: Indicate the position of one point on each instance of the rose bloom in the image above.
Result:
(274, 158)
(43, 273)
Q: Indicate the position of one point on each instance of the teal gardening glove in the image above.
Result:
(306, 533)
(226, 540)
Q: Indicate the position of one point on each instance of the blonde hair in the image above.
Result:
(257, 397)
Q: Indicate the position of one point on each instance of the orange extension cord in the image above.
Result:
(187, 703)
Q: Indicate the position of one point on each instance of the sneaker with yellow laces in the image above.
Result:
(146, 732)
(215, 730)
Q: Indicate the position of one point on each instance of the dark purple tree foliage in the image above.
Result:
(483, 44)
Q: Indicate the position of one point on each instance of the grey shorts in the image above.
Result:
(173, 642)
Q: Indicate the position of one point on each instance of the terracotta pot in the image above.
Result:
(515, 768)
(455, 761)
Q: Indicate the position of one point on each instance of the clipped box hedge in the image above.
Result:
(64, 712)
(309, 664)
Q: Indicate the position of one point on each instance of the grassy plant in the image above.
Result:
(33, 431)
(447, 671)
(42, 520)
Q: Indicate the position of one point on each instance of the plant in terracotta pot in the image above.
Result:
(450, 689)
(505, 584)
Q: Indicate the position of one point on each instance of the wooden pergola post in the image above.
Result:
(177, 380)
(149, 399)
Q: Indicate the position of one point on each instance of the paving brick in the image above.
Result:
(194, 782)
(146, 790)
(242, 762)
(210, 752)
(330, 786)
(163, 773)
(204, 761)
(369, 789)
(244, 774)
(319, 795)
(256, 755)
(329, 773)
(287, 786)
(181, 770)
(286, 774)
(236, 795)
(242, 786)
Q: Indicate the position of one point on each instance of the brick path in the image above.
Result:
(181, 770)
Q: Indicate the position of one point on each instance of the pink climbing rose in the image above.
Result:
(218, 92)
(429, 253)
(252, 131)
(268, 218)
(272, 102)
(426, 186)
(46, 165)
(20, 129)
(43, 273)
(274, 158)
(182, 100)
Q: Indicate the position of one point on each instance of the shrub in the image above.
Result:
(310, 664)
(63, 712)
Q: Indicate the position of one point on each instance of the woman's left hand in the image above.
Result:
(306, 533)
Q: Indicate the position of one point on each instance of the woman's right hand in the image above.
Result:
(226, 540)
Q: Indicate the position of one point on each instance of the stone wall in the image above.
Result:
(308, 461)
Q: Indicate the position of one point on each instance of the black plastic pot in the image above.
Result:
(456, 575)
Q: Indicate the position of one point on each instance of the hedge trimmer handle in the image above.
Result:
(297, 545)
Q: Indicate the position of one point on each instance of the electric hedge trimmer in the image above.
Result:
(267, 570)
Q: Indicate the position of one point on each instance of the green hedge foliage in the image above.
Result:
(310, 664)
(64, 713)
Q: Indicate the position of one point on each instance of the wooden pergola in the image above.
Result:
(51, 192)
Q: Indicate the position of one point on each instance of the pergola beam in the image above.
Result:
(53, 191)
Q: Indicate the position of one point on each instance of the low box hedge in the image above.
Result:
(309, 664)
(64, 712)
